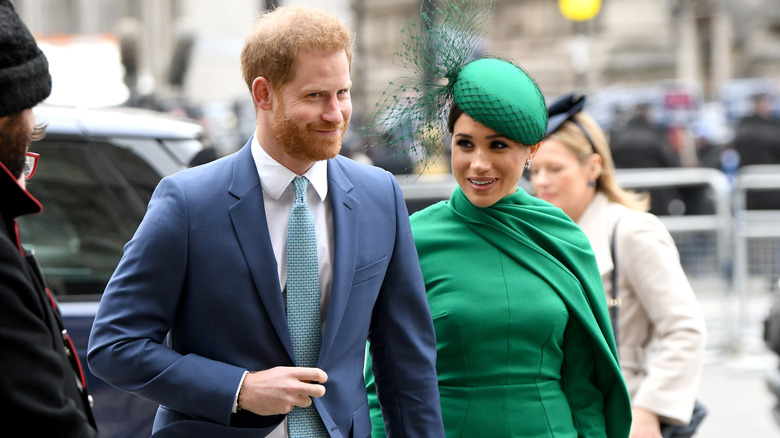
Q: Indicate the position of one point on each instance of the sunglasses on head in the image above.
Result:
(563, 109)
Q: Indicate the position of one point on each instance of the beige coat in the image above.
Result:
(661, 328)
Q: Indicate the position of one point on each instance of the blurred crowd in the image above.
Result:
(643, 134)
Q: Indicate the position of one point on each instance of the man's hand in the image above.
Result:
(278, 390)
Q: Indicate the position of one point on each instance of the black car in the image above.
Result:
(95, 176)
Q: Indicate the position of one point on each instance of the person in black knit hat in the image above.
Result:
(24, 70)
(42, 386)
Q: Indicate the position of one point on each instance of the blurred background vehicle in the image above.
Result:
(96, 174)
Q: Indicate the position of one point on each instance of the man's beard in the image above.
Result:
(301, 143)
(15, 137)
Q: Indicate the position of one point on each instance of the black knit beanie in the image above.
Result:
(24, 70)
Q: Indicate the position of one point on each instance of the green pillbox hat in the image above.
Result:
(502, 96)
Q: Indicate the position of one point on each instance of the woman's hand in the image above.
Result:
(645, 424)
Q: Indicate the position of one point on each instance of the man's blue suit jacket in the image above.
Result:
(196, 300)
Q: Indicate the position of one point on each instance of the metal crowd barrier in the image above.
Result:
(713, 225)
(704, 240)
(756, 241)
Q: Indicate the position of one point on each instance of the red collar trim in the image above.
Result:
(18, 201)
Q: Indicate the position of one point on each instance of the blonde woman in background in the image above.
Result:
(661, 332)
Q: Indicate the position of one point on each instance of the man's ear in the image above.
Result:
(262, 93)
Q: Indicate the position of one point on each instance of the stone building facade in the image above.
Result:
(701, 44)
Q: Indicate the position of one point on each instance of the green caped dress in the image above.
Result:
(524, 343)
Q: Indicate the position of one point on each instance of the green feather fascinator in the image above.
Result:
(445, 59)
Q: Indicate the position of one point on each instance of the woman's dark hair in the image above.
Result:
(455, 113)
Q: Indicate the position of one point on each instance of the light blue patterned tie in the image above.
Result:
(303, 305)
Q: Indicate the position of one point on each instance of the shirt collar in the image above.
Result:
(275, 178)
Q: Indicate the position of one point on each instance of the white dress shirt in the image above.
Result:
(278, 195)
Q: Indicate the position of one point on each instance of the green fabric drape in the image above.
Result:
(541, 241)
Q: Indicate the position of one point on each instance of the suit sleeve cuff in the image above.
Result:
(238, 390)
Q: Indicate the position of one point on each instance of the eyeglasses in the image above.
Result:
(563, 110)
(30, 163)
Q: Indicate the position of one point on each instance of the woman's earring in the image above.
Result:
(528, 163)
(592, 183)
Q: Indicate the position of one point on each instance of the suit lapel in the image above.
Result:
(251, 228)
(345, 213)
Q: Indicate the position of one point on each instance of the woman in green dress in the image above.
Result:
(524, 343)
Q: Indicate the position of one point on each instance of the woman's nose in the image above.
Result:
(480, 161)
